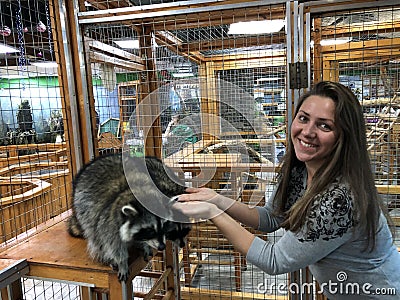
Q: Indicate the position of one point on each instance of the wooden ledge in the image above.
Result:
(12, 270)
(54, 254)
(38, 187)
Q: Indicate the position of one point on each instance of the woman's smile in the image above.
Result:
(306, 144)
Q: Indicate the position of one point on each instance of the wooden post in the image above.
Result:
(330, 70)
(54, 10)
(149, 106)
(317, 51)
(209, 101)
(79, 89)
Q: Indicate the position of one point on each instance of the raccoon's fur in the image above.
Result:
(107, 211)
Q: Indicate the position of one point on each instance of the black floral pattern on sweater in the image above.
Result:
(331, 214)
(296, 186)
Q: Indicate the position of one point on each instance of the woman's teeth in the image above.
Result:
(306, 144)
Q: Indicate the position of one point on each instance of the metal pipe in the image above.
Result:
(131, 13)
(71, 88)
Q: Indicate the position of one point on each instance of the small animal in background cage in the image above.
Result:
(107, 211)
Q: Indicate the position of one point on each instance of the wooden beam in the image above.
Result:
(247, 62)
(113, 51)
(354, 51)
(110, 4)
(191, 15)
(175, 45)
(222, 17)
(323, 6)
(377, 45)
(372, 27)
(104, 58)
(360, 55)
(233, 42)
(388, 189)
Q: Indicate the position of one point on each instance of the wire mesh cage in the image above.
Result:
(35, 178)
(173, 79)
(358, 48)
(216, 103)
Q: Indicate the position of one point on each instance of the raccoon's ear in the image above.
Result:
(129, 210)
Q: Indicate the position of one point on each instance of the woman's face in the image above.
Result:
(313, 131)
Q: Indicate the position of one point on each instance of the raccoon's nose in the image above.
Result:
(161, 246)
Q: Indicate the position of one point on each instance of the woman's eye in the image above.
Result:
(325, 127)
(302, 118)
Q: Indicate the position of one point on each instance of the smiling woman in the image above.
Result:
(325, 199)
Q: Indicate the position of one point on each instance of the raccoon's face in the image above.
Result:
(146, 228)
(177, 232)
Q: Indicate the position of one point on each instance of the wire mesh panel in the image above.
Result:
(360, 49)
(46, 290)
(35, 160)
(181, 84)
(34, 148)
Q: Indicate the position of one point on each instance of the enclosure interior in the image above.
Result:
(136, 65)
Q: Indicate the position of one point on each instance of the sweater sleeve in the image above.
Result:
(267, 220)
(328, 226)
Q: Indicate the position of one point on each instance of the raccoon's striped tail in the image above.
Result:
(74, 228)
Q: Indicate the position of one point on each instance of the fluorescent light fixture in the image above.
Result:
(14, 76)
(45, 64)
(7, 49)
(128, 44)
(256, 27)
(338, 41)
(269, 79)
(182, 74)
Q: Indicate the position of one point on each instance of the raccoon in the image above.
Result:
(108, 209)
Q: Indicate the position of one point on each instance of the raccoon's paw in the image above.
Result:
(123, 276)
(147, 252)
(123, 272)
(74, 228)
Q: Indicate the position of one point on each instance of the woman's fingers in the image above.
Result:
(198, 194)
(193, 190)
(197, 209)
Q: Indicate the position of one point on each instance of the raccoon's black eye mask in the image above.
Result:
(145, 234)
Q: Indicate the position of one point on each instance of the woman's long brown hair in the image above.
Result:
(349, 159)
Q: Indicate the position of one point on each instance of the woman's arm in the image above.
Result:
(240, 238)
(237, 210)
(324, 232)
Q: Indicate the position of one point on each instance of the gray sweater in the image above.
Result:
(332, 246)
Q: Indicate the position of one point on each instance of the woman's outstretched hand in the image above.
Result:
(198, 203)
(198, 210)
(199, 194)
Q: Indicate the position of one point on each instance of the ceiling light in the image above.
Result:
(45, 64)
(337, 41)
(256, 27)
(7, 49)
(128, 44)
(182, 74)
(269, 79)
